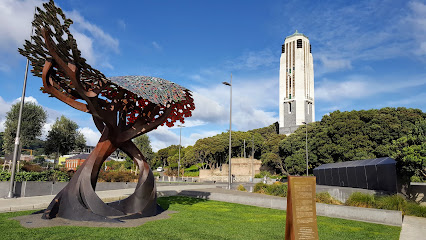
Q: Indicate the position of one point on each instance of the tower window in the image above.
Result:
(289, 106)
(299, 43)
(283, 48)
(310, 48)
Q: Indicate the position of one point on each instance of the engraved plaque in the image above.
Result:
(301, 221)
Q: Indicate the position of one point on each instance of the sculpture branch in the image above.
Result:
(53, 91)
(140, 127)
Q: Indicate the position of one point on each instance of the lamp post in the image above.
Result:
(306, 124)
(252, 159)
(18, 129)
(230, 131)
(180, 144)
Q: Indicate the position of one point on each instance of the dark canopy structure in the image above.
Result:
(374, 174)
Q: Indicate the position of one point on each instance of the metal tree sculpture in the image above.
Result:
(121, 107)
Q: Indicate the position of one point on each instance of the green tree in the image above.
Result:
(33, 119)
(355, 135)
(144, 145)
(63, 137)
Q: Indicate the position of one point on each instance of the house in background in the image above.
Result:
(72, 163)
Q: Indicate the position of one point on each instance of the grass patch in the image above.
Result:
(201, 219)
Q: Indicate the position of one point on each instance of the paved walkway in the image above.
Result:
(412, 227)
(40, 202)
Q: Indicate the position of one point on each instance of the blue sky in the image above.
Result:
(367, 54)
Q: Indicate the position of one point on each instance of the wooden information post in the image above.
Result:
(301, 221)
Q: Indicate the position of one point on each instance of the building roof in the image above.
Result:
(375, 161)
(297, 34)
(83, 156)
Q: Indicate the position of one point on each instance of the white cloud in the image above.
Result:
(331, 64)
(87, 33)
(82, 24)
(410, 101)
(85, 45)
(252, 106)
(15, 27)
(343, 34)
(92, 137)
(417, 21)
(122, 24)
(358, 87)
(16, 18)
(163, 137)
(27, 99)
(156, 45)
(253, 60)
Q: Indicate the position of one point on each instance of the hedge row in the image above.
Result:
(50, 175)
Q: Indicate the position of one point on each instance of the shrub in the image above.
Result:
(156, 174)
(276, 189)
(51, 175)
(415, 178)
(191, 174)
(260, 187)
(325, 197)
(394, 202)
(414, 209)
(32, 168)
(358, 199)
(193, 168)
(241, 188)
(117, 176)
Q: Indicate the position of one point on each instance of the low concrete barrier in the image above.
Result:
(387, 217)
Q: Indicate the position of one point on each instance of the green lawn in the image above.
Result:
(201, 219)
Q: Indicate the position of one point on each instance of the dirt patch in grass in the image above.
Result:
(35, 221)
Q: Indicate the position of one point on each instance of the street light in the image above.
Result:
(230, 131)
(11, 192)
(180, 141)
(306, 147)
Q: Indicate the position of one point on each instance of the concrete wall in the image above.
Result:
(342, 193)
(30, 188)
(241, 168)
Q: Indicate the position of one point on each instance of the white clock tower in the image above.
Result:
(297, 102)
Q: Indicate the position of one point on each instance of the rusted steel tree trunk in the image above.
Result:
(122, 109)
